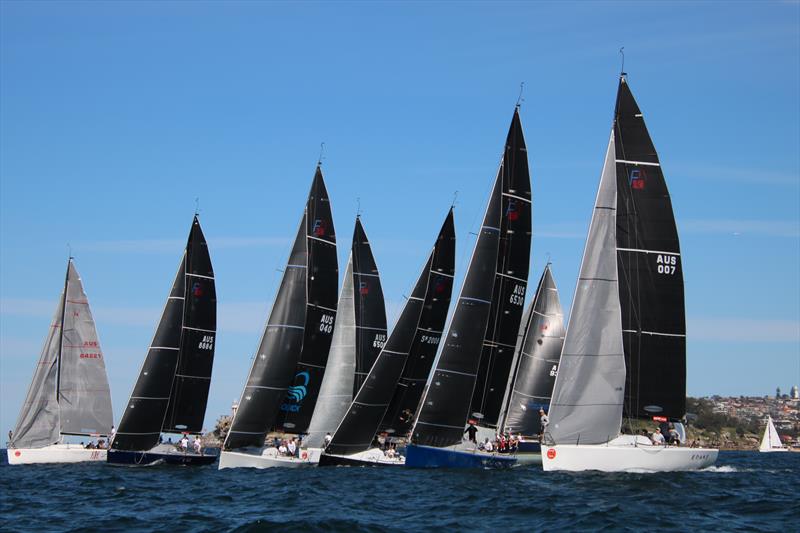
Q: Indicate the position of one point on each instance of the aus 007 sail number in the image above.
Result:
(666, 264)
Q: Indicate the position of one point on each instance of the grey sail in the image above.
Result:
(38, 421)
(589, 390)
(531, 385)
(336, 391)
(69, 393)
(84, 394)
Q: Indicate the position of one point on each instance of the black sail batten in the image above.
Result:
(282, 340)
(144, 415)
(531, 385)
(404, 404)
(511, 280)
(650, 272)
(322, 284)
(425, 310)
(369, 306)
(189, 396)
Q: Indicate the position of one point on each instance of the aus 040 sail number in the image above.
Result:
(666, 264)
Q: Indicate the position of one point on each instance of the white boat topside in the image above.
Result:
(626, 453)
(55, 453)
(268, 458)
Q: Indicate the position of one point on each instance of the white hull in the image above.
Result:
(770, 450)
(268, 458)
(626, 454)
(55, 453)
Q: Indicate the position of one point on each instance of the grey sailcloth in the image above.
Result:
(84, 395)
(539, 351)
(336, 391)
(38, 421)
(588, 394)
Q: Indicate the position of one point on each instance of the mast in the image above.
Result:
(61, 335)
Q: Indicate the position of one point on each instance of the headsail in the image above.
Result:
(358, 336)
(177, 347)
(487, 314)
(419, 327)
(771, 440)
(531, 385)
(586, 406)
(650, 272)
(282, 341)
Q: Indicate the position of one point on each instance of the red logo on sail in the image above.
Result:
(637, 178)
(440, 286)
(319, 228)
(511, 211)
(197, 289)
(363, 288)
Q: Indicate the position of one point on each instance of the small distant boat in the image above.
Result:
(624, 353)
(284, 381)
(771, 442)
(418, 331)
(537, 356)
(171, 392)
(69, 393)
(471, 374)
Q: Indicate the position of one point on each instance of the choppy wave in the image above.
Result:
(754, 492)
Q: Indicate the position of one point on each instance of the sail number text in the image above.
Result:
(380, 341)
(429, 339)
(666, 264)
(206, 343)
(326, 323)
(518, 295)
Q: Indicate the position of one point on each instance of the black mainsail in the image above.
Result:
(531, 384)
(511, 280)
(418, 330)
(473, 367)
(358, 337)
(171, 392)
(303, 312)
(650, 272)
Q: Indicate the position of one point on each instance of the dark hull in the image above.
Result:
(429, 457)
(341, 460)
(150, 458)
(529, 447)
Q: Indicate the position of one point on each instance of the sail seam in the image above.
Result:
(474, 300)
(647, 251)
(646, 163)
(517, 197)
(199, 276)
(455, 372)
(654, 333)
(199, 329)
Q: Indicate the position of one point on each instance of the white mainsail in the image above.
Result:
(771, 442)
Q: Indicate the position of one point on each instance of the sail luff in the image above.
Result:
(61, 336)
(586, 405)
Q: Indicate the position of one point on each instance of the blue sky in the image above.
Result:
(115, 116)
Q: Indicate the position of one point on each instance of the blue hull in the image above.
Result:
(150, 458)
(529, 447)
(428, 457)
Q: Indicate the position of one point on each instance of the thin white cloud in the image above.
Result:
(743, 330)
(769, 228)
(160, 246)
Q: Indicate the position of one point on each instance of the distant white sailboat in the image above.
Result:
(69, 392)
(771, 442)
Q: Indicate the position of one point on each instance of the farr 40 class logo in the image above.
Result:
(637, 178)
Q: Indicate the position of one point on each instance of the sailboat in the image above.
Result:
(625, 349)
(469, 380)
(415, 336)
(171, 391)
(771, 442)
(69, 394)
(288, 368)
(531, 383)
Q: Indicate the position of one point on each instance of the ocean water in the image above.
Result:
(745, 491)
